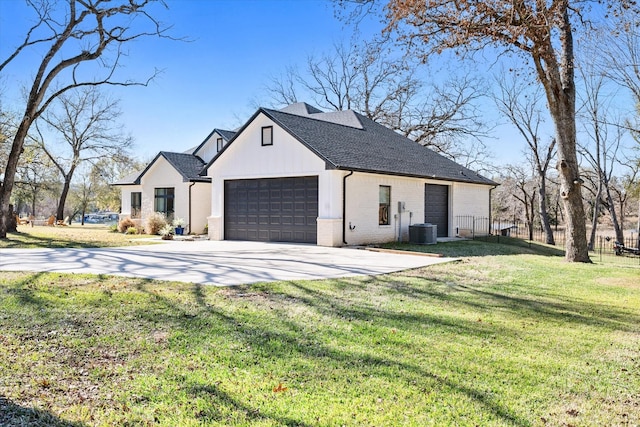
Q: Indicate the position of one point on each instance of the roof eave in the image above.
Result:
(435, 177)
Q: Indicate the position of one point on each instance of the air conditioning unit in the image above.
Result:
(423, 234)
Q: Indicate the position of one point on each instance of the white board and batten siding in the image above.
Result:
(162, 175)
(363, 203)
(247, 158)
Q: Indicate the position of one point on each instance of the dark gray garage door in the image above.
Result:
(271, 210)
(436, 207)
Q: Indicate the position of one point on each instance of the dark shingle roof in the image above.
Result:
(371, 148)
(301, 109)
(187, 165)
(129, 179)
(226, 134)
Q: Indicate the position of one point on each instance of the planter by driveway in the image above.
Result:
(222, 263)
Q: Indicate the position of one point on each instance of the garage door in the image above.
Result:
(271, 210)
(436, 207)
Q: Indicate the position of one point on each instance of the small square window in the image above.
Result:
(267, 135)
(218, 144)
(384, 205)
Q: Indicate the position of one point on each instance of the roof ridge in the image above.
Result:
(316, 117)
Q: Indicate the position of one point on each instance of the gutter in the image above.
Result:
(344, 207)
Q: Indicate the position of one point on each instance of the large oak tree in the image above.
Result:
(83, 43)
(543, 32)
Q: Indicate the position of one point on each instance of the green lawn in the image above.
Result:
(74, 236)
(504, 337)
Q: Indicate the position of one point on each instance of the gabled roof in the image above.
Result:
(225, 134)
(187, 165)
(347, 140)
(129, 179)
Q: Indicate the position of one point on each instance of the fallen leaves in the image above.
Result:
(280, 388)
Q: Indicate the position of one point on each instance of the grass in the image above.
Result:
(504, 338)
(474, 248)
(74, 236)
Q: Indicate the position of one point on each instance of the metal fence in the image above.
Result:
(482, 229)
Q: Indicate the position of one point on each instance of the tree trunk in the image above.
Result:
(10, 174)
(594, 220)
(33, 201)
(63, 197)
(557, 77)
(571, 194)
(544, 215)
(12, 224)
(614, 217)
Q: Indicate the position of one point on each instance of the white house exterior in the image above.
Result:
(334, 179)
(171, 184)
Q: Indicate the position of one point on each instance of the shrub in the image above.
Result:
(167, 232)
(125, 224)
(132, 230)
(155, 222)
(113, 228)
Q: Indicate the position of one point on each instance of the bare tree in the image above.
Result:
(83, 43)
(85, 121)
(520, 103)
(35, 176)
(540, 31)
(603, 139)
(620, 62)
(525, 194)
(384, 87)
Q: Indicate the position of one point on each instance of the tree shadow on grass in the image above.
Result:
(278, 335)
(558, 308)
(287, 338)
(489, 246)
(213, 391)
(19, 239)
(13, 414)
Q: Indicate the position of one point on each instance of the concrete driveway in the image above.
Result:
(223, 263)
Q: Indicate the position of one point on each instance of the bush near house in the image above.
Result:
(155, 222)
(125, 224)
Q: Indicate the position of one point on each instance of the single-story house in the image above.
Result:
(171, 184)
(303, 175)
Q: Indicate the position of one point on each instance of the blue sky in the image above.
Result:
(215, 79)
(210, 81)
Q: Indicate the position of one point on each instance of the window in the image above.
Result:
(136, 204)
(267, 135)
(163, 201)
(385, 204)
(218, 144)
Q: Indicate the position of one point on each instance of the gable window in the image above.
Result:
(136, 204)
(163, 201)
(267, 135)
(218, 144)
(384, 204)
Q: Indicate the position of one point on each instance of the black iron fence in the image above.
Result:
(604, 249)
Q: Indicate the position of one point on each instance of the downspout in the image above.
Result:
(344, 207)
(192, 184)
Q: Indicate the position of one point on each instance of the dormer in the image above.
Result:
(212, 144)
